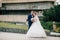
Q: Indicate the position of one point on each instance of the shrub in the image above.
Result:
(47, 25)
(58, 24)
(52, 14)
(58, 30)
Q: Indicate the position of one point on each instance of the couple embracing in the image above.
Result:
(35, 27)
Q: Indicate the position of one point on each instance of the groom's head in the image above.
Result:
(32, 12)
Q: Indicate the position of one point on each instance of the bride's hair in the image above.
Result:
(35, 13)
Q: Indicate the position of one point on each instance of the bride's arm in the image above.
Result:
(36, 18)
(33, 19)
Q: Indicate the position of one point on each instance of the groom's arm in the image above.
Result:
(28, 18)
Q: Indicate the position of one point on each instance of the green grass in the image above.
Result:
(10, 25)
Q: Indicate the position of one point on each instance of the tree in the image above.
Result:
(49, 15)
(52, 14)
(57, 13)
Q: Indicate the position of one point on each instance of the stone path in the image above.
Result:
(54, 33)
(17, 36)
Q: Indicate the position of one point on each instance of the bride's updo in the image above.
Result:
(34, 14)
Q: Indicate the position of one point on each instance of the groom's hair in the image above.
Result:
(34, 11)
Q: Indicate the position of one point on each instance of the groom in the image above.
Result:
(29, 19)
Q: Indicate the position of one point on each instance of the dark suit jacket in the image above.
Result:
(29, 20)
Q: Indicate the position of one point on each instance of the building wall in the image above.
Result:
(0, 3)
(29, 6)
(19, 5)
(19, 1)
(13, 18)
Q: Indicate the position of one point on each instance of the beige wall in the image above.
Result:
(22, 18)
(0, 3)
(17, 1)
(13, 18)
(38, 6)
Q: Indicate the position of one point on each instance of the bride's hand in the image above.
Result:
(32, 19)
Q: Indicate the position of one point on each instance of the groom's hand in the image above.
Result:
(26, 19)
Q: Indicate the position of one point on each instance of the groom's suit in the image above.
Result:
(29, 20)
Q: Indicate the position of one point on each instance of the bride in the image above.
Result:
(36, 29)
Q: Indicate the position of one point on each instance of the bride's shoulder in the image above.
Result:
(36, 16)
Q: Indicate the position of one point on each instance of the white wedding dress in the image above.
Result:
(36, 29)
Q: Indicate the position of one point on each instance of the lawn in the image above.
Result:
(11, 25)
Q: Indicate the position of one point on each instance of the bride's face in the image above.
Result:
(34, 14)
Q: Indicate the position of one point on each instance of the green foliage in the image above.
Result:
(52, 14)
(49, 15)
(57, 13)
(58, 30)
(47, 25)
(10, 25)
(57, 24)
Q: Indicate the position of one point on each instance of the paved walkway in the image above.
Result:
(17, 36)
